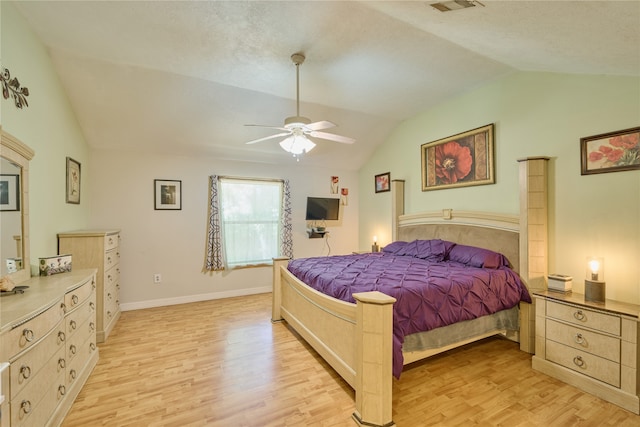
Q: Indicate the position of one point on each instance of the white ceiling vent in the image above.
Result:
(446, 6)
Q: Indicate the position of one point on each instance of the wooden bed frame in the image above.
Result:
(356, 339)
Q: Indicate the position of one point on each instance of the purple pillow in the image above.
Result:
(477, 257)
(431, 250)
(393, 247)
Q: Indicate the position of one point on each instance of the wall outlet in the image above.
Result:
(157, 278)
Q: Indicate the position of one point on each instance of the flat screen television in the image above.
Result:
(322, 208)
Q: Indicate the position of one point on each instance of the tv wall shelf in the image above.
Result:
(316, 234)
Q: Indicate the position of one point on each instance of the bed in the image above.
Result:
(357, 338)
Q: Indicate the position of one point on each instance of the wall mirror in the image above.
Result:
(14, 208)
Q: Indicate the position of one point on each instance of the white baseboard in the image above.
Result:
(192, 298)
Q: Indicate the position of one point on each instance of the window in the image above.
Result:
(249, 222)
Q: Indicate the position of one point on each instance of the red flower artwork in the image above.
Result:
(621, 150)
(453, 162)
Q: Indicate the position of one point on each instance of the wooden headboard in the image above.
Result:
(500, 233)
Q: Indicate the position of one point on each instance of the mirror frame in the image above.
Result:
(12, 149)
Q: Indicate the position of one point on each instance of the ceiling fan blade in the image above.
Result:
(268, 137)
(321, 125)
(333, 137)
(268, 127)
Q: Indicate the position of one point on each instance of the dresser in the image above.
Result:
(98, 249)
(592, 346)
(48, 336)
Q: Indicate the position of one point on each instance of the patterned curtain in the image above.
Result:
(215, 253)
(286, 234)
(215, 259)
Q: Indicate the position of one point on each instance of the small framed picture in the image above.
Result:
(167, 194)
(610, 152)
(73, 181)
(383, 182)
(9, 192)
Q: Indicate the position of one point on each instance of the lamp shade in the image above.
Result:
(297, 144)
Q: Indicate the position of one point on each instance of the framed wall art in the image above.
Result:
(460, 160)
(9, 192)
(73, 181)
(610, 152)
(383, 182)
(167, 194)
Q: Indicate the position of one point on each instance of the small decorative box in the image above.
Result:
(560, 283)
(55, 264)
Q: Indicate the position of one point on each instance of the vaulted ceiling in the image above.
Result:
(184, 77)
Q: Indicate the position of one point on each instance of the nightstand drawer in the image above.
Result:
(600, 345)
(584, 317)
(584, 363)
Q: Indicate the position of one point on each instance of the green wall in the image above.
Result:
(49, 127)
(535, 114)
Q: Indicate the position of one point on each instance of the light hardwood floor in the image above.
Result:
(223, 363)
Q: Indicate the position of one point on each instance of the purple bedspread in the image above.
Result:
(429, 294)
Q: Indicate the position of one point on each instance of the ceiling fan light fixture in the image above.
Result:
(297, 145)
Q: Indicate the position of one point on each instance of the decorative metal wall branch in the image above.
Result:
(11, 86)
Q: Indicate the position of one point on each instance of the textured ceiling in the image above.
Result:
(184, 77)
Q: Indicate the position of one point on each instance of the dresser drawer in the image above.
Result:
(24, 335)
(600, 345)
(111, 276)
(111, 259)
(76, 297)
(75, 367)
(585, 317)
(24, 370)
(584, 363)
(34, 406)
(80, 315)
(111, 241)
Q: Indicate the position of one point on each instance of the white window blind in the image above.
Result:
(250, 220)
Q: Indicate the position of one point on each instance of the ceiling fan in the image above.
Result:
(297, 129)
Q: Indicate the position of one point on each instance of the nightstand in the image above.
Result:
(592, 346)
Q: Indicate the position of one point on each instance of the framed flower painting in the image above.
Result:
(610, 152)
(460, 160)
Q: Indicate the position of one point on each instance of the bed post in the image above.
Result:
(397, 206)
(276, 295)
(533, 239)
(374, 359)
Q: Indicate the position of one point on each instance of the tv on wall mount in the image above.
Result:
(322, 209)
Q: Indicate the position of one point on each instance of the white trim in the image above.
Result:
(193, 298)
(449, 216)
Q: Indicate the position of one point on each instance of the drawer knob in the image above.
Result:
(580, 339)
(28, 334)
(25, 406)
(92, 326)
(72, 325)
(62, 390)
(63, 307)
(62, 363)
(578, 361)
(74, 299)
(25, 371)
(92, 305)
(92, 346)
(579, 315)
(61, 337)
(72, 349)
(72, 375)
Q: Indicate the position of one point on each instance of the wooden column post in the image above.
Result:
(374, 359)
(276, 294)
(397, 206)
(534, 251)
